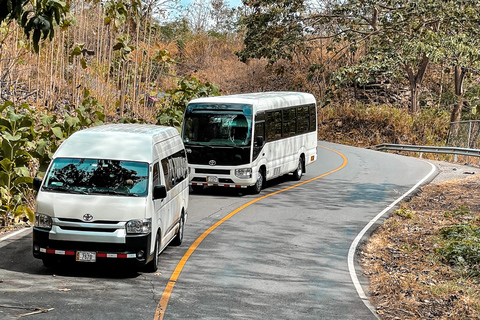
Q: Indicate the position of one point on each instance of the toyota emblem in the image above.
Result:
(87, 217)
(212, 162)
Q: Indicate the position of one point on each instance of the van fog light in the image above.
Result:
(140, 254)
(245, 173)
(36, 248)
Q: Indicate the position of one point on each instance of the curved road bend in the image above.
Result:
(282, 257)
(285, 256)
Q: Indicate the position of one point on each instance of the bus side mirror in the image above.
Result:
(159, 192)
(260, 141)
(37, 182)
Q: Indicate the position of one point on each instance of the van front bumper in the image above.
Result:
(134, 250)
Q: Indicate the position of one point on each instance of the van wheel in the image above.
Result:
(152, 266)
(297, 174)
(258, 186)
(179, 236)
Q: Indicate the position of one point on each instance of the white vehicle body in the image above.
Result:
(116, 191)
(245, 139)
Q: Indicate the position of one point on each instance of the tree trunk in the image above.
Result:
(456, 115)
(415, 82)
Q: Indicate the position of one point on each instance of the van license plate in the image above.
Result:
(86, 256)
(212, 179)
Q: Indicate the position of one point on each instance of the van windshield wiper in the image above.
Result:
(65, 190)
(114, 192)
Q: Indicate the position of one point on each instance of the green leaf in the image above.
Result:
(22, 171)
(57, 132)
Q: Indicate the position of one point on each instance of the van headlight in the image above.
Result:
(245, 173)
(43, 221)
(139, 226)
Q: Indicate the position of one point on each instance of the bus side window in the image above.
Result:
(259, 132)
(302, 119)
(313, 118)
(289, 123)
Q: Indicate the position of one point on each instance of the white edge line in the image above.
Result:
(13, 234)
(353, 246)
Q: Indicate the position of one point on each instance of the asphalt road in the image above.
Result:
(284, 255)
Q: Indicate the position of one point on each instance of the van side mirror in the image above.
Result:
(37, 182)
(159, 192)
(260, 141)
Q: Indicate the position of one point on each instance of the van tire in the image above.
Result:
(152, 266)
(179, 236)
(297, 174)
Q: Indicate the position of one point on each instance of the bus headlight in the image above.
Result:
(245, 173)
(139, 226)
(43, 221)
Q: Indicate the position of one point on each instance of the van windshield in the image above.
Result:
(98, 176)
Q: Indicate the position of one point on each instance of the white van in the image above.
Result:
(117, 191)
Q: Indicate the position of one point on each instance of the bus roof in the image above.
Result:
(132, 142)
(262, 100)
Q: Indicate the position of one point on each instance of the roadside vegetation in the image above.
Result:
(424, 262)
(382, 72)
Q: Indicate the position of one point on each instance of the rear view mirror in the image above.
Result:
(260, 141)
(159, 192)
(37, 182)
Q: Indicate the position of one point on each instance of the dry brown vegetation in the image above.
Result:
(408, 278)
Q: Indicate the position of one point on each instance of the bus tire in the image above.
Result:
(258, 186)
(179, 236)
(297, 174)
(152, 266)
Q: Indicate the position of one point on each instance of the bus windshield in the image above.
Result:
(98, 176)
(216, 125)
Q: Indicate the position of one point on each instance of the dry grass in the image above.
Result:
(408, 279)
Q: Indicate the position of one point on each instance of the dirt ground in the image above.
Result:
(408, 278)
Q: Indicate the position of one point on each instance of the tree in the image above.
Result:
(274, 29)
(37, 19)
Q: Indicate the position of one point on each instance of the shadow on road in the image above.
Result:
(17, 257)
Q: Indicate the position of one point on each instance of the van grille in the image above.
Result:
(87, 229)
(212, 171)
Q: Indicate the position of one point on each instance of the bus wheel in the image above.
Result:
(258, 186)
(152, 266)
(297, 174)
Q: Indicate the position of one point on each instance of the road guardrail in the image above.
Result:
(429, 149)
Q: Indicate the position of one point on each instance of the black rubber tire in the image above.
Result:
(179, 236)
(297, 174)
(152, 266)
(258, 186)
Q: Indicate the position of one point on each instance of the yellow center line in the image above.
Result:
(162, 305)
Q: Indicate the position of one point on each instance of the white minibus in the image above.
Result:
(244, 140)
(115, 192)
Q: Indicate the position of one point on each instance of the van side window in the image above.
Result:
(166, 173)
(175, 169)
(156, 174)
